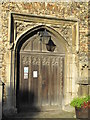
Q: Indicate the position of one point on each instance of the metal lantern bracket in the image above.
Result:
(50, 46)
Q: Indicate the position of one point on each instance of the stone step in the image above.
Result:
(41, 115)
(22, 118)
(16, 119)
(40, 119)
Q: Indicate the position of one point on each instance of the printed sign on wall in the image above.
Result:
(35, 74)
(25, 72)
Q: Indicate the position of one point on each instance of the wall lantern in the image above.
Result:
(50, 46)
(45, 38)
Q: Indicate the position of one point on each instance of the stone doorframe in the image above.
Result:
(66, 30)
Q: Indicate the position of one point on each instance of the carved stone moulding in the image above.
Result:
(24, 22)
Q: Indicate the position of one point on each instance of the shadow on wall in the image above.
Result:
(0, 102)
(27, 101)
(26, 105)
(1, 97)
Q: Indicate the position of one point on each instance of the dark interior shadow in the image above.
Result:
(26, 106)
(27, 102)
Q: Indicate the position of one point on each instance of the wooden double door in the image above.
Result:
(41, 81)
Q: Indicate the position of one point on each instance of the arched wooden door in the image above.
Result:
(41, 76)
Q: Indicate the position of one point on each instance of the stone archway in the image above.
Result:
(55, 27)
(45, 90)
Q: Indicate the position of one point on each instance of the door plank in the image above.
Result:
(46, 89)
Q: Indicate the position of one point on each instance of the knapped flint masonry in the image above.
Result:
(43, 74)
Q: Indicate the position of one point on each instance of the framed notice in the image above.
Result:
(35, 75)
(25, 72)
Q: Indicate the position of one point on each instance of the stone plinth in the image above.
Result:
(83, 90)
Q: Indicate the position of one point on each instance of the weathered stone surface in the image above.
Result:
(84, 90)
(70, 10)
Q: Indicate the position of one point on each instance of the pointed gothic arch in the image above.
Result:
(61, 50)
(19, 41)
(29, 33)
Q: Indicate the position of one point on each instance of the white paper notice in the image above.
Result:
(25, 72)
(34, 74)
(25, 69)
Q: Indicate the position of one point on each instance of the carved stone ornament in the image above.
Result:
(66, 31)
(10, 46)
(23, 26)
